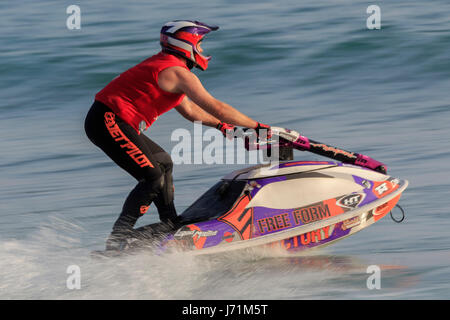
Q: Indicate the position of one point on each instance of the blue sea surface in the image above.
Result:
(312, 66)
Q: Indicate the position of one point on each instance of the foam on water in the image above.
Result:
(36, 267)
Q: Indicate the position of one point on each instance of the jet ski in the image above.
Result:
(286, 204)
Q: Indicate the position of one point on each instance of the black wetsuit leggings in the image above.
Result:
(142, 158)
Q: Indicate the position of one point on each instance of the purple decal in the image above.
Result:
(217, 231)
(367, 184)
(315, 238)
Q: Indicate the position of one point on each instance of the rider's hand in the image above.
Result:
(262, 133)
(226, 129)
(263, 130)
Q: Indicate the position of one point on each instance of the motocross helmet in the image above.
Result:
(181, 37)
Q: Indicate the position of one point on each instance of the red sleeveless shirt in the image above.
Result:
(135, 95)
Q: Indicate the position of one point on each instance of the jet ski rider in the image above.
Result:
(131, 102)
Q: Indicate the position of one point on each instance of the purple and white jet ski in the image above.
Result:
(290, 205)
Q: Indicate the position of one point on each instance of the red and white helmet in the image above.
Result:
(181, 37)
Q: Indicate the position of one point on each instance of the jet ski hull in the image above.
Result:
(293, 206)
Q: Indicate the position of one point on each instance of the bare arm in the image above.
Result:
(193, 112)
(180, 80)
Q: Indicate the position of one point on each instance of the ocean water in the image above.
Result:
(312, 66)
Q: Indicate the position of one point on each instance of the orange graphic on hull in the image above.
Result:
(228, 236)
(382, 210)
(143, 209)
(383, 188)
(199, 241)
(310, 237)
(239, 218)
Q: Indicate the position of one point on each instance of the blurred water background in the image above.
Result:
(312, 66)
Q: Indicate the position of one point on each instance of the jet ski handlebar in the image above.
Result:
(290, 139)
